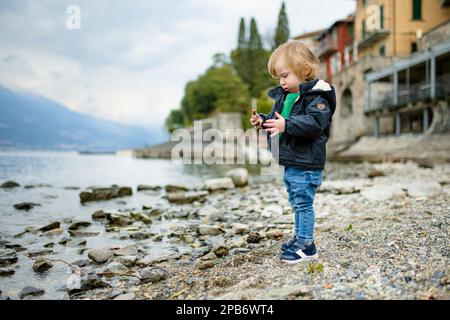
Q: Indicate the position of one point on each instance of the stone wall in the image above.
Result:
(349, 125)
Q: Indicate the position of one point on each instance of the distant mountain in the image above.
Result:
(29, 121)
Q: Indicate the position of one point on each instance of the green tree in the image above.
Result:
(174, 121)
(282, 30)
(242, 40)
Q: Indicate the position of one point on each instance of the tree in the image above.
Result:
(282, 30)
(242, 40)
(174, 121)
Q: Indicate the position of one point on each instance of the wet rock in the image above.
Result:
(9, 185)
(99, 215)
(26, 205)
(86, 283)
(115, 267)
(141, 235)
(6, 272)
(126, 296)
(420, 189)
(130, 250)
(218, 184)
(153, 275)
(38, 253)
(175, 188)
(341, 186)
(51, 226)
(141, 217)
(128, 261)
(54, 232)
(42, 265)
(143, 187)
(30, 291)
(210, 214)
(64, 241)
(100, 256)
(71, 188)
(209, 256)
(220, 250)
(274, 234)
(119, 219)
(204, 264)
(205, 229)
(272, 211)
(82, 263)
(383, 193)
(375, 173)
(79, 225)
(187, 197)
(199, 252)
(239, 176)
(240, 228)
(79, 233)
(39, 185)
(49, 245)
(101, 194)
(16, 247)
(235, 251)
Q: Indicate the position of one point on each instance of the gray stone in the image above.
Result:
(130, 250)
(272, 211)
(37, 253)
(128, 261)
(239, 176)
(9, 184)
(42, 265)
(175, 188)
(383, 193)
(30, 291)
(115, 267)
(7, 257)
(80, 233)
(186, 197)
(51, 226)
(240, 228)
(421, 189)
(199, 252)
(204, 264)
(205, 229)
(26, 205)
(79, 224)
(220, 250)
(6, 272)
(235, 251)
(153, 275)
(219, 184)
(144, 187)
(140, 216)
(89, 282)
(100, 256)
(126, 296)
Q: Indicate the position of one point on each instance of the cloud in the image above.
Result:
(130, 60)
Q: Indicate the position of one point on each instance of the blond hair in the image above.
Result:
(297, 56)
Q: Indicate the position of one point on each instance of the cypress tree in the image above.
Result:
(282, 31)
(242, 40)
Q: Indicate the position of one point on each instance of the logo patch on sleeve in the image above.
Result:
(321, 106)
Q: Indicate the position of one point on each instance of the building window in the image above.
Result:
(381, 17)
(351, 31)
(363, 28)
(383, 50)
(413, 47)
(417, 9)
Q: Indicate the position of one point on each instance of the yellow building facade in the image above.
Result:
(393, 28)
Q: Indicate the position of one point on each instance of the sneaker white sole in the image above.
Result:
(307, 258)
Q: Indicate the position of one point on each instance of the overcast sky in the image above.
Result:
(130, 60)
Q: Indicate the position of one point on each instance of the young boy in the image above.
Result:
(300, 119)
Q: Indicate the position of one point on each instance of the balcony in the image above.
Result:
(423, 77)
(372, 37)
(326, 48)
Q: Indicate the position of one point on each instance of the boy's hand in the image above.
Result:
(275, 126)
(256, 120)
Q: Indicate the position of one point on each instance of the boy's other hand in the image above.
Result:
(275, 126)
(255, 120)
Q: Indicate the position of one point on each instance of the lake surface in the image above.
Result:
(58, 170)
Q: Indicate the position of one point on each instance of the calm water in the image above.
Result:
(65, 169)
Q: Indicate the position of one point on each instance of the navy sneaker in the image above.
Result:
(298, 253)
(287, 245)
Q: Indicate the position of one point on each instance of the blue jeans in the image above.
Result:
(301, 187)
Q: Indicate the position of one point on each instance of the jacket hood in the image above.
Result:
(315, 86)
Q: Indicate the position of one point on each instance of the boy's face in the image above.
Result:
(288, 79)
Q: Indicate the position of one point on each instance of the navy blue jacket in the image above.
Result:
(303, 144)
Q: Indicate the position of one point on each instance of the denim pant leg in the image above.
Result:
(302, 189)
(291, 201)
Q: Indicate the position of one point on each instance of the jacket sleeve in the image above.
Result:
(311, 124)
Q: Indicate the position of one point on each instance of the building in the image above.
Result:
(310, 39)
(394, 69)
(394, 27)
(336, 47)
